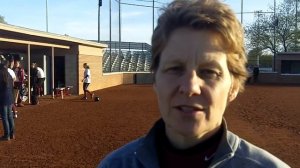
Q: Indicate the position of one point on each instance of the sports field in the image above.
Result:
(75, 133)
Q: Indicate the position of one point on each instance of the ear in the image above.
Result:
(234, 90)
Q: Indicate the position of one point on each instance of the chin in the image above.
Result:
(190, 129)
(190, 134)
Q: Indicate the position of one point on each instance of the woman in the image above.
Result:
(6, 101)
(86, 81)
(20, 78)
(198, 63)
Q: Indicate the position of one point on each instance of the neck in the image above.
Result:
(181, 141)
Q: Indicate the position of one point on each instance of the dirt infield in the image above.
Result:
(75, 133)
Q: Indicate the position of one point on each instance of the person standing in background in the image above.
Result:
(255, 73)
(6, 101)
(86, 81)
(20, 78)
(39, 78)
(34, 84)
(33, 79)
(10, 64)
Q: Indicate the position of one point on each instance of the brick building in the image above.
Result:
(287, 70)
(61, 57)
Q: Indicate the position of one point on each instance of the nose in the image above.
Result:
(190, 84)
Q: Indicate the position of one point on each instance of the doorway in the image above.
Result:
(59, 71)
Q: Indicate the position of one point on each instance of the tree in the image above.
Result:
(287, 27)
(2, 19)
(265, 61)
(257, 57)
(260, 34)
(253, 56)
(282, 26)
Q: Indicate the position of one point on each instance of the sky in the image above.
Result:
(79, 18)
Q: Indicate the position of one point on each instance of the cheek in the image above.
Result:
(216, 92)
(220, 97)
(164, 89)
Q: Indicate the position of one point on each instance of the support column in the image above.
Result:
(45, 71)
(28, 73)
(52, 69)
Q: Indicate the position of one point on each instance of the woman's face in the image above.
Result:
(11, 64)
(17, 64)
(192, 83)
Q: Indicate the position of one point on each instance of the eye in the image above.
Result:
(175, 70)
(209, 74)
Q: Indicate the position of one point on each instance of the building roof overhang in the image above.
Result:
(16, 38)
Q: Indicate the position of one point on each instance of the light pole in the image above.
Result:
(296, 15)
(46, 15)
(99, 5)
(242, 10)
(110, 35)
(258, 15)
(120, 52)
(275, 22)
(153, 16)
(296, 24)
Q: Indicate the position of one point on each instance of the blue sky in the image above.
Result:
(79, 18)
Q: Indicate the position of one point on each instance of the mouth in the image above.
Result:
(190, 109)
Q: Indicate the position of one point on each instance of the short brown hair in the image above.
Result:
(203, 15)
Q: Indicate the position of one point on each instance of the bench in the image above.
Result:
(63, 91)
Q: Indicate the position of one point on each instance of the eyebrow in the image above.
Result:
(204, 63)
(177, 61)
(173, 62)
(212, 63)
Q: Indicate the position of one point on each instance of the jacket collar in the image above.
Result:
(147, 150)
(227, 147)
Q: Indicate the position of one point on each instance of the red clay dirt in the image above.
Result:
(76, 133)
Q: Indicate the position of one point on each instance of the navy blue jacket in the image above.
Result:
(6, 91)
(232, 152)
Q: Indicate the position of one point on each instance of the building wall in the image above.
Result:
(114, 79)
(74, 70)
(285, 56)
(93, 57)
(288, 56)
(128, 78)
(95, 65)
(100, 80)
(277, 78)
(144, 78)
